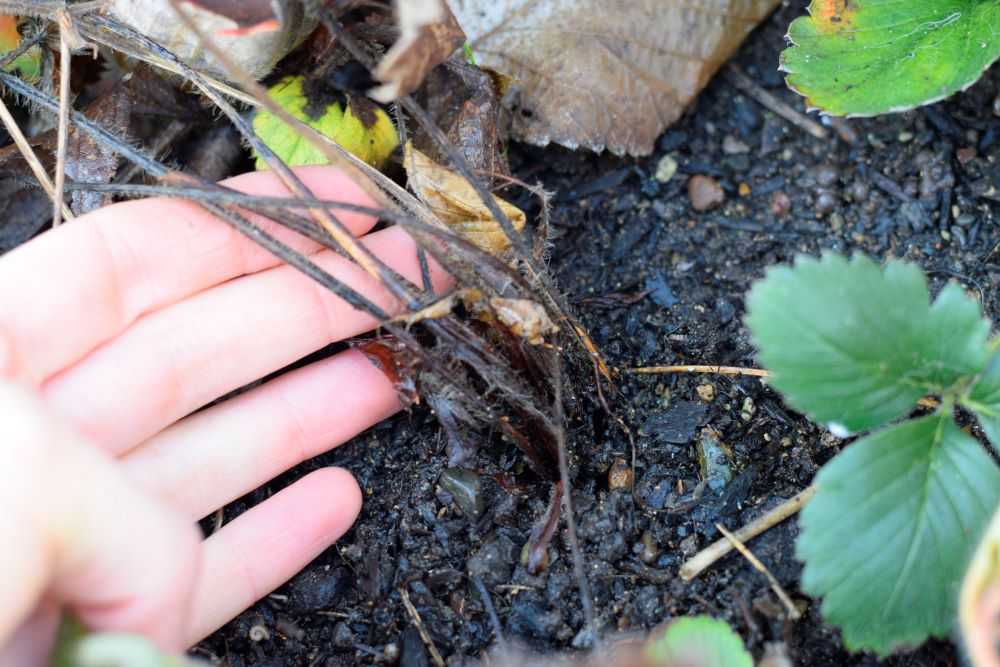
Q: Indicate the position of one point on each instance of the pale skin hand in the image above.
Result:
(113, 329)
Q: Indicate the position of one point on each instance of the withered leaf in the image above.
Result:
(256, 51)
(248, 14)
(603, 74)
(89, 161)
(456, 203)
(428, 34)
(464, 103)
(525, 318)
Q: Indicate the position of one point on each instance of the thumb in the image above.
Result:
(75, 531)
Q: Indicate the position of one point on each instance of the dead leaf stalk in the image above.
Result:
(709, 555)
(421, 630)
(793, 612)
(65, 67)
(738, 78)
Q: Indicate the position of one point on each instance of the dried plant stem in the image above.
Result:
(29, 155)
(419, 623)
(793, 612)
(717, 370)
(738, 78)
(707, 556)
(355, 250)
(65, 60)
(228, 214)
(579, 564)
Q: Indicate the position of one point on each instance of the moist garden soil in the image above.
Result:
(655, 282)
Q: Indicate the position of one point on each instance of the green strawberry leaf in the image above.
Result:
(698, 641)
(890, 530)
(984, 400)
(866, 57)
(855, 346)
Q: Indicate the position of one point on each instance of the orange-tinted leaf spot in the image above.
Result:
(10, 38)
(832, 16)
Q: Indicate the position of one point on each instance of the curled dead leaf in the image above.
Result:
(464, 102)
(249, 15)
(525, 318)
(428, 35)
(456, 203)
(256, 51)
(604, 74)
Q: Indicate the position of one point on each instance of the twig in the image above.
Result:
(417, 621)
(713, 552)
(29, 155)
(793, 612)
(65, 61)
(490, 610)
(717, 370)
(579, 565)
(738, 78)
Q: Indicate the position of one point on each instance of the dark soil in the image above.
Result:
(656, 283)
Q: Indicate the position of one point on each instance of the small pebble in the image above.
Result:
(621, 476)
(706, 392)
(713, 460)
(965, 220)
(665, 169)
(650, 549)
(464, 487)
(858, 191)
(904, 137)
(780, 204)
(705, 192)
(836, 221)
(733, 146)
(391, 652)
(744, 189)
(826, 175)
(825, 202)
(964, 155)
(748, 409)
(689, 545)
(343, 636)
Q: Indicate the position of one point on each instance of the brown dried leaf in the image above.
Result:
(428, 35)
(256, 51)
(249, 15)
(456, 203)
(605, 74)
(90, 161)
(525, 318)
(464, 103)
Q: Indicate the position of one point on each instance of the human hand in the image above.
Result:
(116, 327)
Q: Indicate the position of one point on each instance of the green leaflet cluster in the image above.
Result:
(898, 513)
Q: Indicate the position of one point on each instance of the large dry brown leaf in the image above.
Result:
(605, 74)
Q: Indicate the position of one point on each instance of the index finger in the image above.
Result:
(71, 289)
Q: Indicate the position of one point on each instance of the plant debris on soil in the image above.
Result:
(654, 255)
(657, 278)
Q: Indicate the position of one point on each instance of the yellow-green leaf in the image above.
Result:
(359, 126)
(29, 64)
